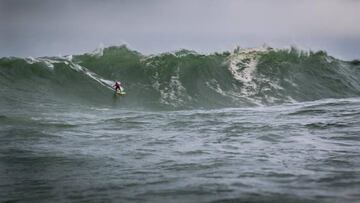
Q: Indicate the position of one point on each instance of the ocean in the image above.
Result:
(250, 125)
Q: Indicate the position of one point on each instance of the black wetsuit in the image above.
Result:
(117, 86)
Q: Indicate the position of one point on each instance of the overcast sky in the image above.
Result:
(60, 27)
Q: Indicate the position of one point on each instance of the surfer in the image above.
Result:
(117, 86)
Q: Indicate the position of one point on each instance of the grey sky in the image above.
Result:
(50, 27)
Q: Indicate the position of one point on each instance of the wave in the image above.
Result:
(181, 79)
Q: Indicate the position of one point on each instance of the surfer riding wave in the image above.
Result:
(118, 88)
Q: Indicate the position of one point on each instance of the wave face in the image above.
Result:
(178, 80)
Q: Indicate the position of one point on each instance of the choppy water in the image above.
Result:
(304, 152)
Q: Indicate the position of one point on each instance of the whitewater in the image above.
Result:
(249, 125)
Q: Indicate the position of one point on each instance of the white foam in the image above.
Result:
(242, 65)
(30, 60)
(173, 93)
(98, 52)
(214, 85)
(48, 62)
(69, 57)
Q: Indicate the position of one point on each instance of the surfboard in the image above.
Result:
(120, 92)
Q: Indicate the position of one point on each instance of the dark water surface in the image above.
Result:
(304, 152)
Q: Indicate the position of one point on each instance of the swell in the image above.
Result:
(178, 80)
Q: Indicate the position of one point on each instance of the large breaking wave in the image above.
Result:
(177, 80)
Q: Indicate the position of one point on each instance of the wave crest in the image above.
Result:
(183, 79)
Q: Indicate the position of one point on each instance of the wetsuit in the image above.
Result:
(117, 86)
